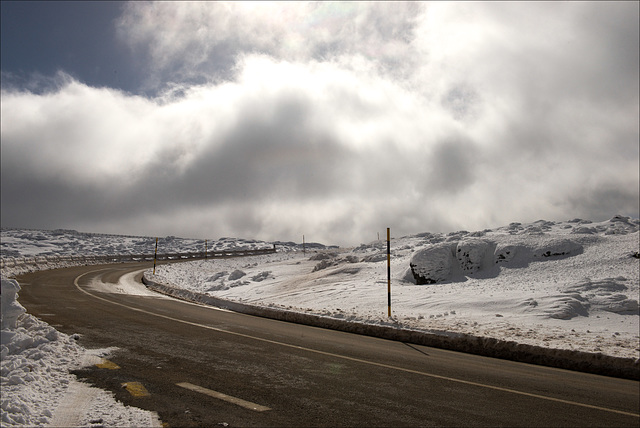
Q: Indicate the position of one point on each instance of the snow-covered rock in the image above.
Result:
(512, 254)
(475, 254)
(471, 256)
(434, 263)
(555, 247)
(236, 274)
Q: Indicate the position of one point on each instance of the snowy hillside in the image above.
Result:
(565, 285)
(28, 250)
(62, 242)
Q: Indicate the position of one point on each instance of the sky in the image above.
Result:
(332, 120)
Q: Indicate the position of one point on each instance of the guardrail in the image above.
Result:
(131, 258)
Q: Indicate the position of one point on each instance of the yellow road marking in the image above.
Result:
(228, 398)
(358, 360)
(136, 389)
(106, 364)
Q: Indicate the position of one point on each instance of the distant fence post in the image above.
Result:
(155, 254)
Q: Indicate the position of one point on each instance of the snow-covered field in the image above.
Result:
(565, 285)
(19, 243)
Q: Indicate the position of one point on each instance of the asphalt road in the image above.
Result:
(202, 366)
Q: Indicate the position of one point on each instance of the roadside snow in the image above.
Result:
(566, 285)
(37, 386)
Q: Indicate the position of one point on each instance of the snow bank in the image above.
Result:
(37, 387)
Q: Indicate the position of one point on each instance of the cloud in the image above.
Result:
(335, 121)
(201, 41)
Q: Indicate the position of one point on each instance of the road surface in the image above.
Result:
(201, 366)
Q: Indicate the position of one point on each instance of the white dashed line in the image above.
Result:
(228, 398)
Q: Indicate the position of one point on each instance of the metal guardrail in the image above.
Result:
(124, 258)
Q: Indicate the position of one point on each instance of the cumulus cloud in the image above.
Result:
(201, 41)
(336, 120)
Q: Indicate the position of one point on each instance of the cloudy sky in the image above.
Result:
(333, 120)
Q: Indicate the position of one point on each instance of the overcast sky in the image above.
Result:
(333, 120)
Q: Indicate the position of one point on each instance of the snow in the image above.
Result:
(37, 386)
(570, 285)
(546, 284)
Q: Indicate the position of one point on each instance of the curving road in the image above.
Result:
(200, 366)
